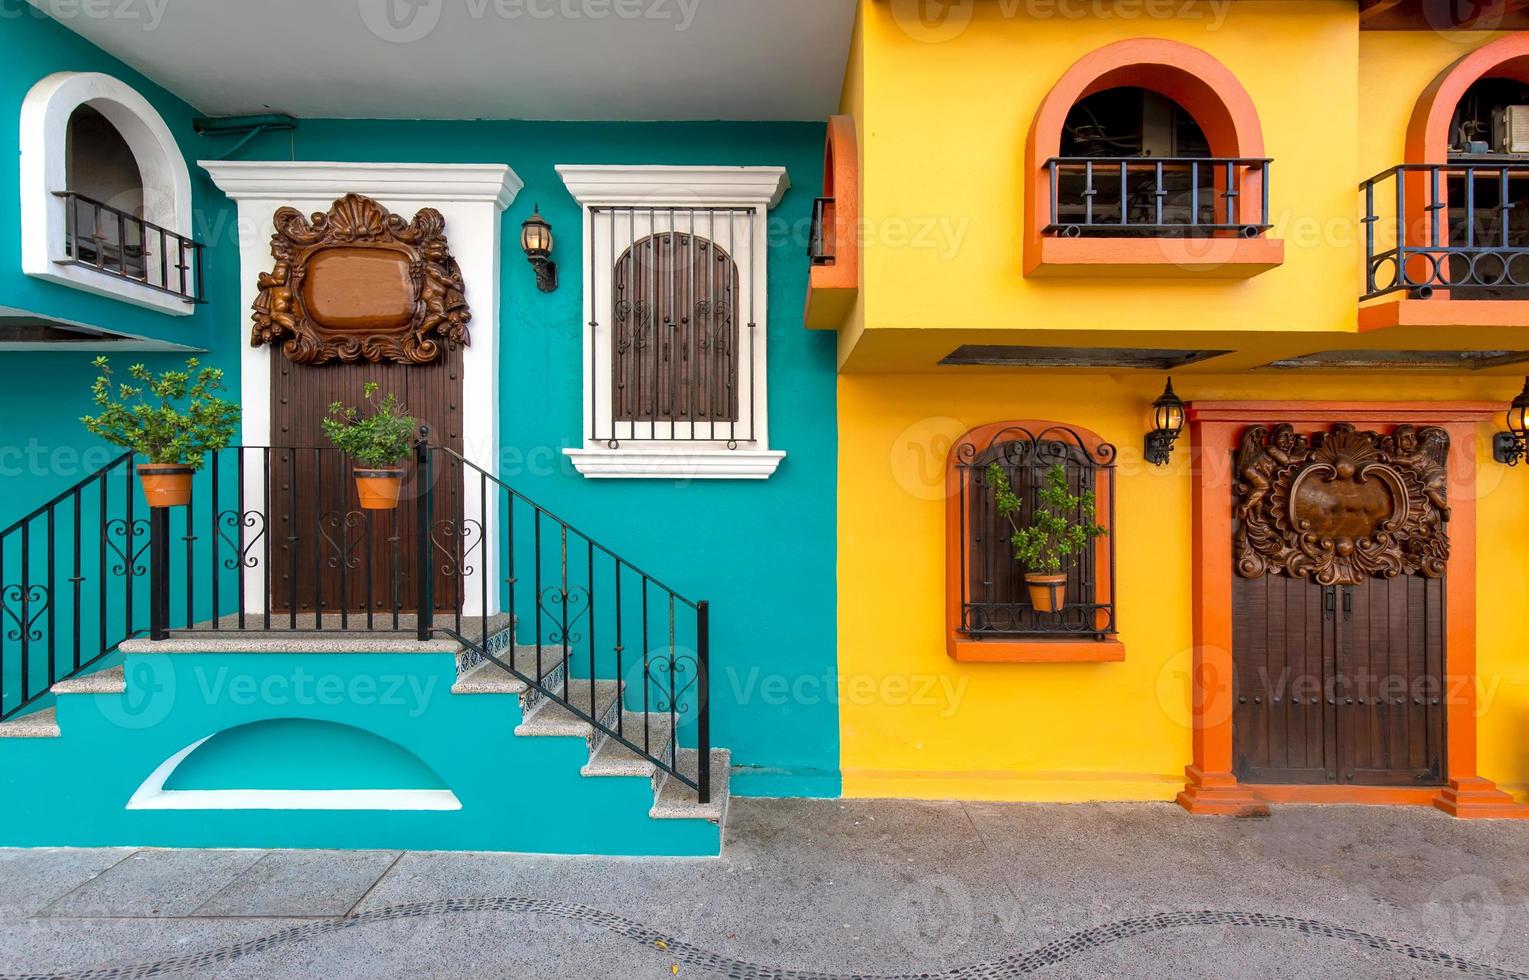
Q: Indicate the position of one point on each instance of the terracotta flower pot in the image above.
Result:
(166, 484)
(378, 488)
(1048, 593)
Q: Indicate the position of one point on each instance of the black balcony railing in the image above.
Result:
(273, 540)
(1453, 226)
(1158, 197)
(820, 241)
(112, 241)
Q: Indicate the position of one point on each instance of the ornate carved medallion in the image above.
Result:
(1343, 505)
(360, 283)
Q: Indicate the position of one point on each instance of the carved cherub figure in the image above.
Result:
(442, 292)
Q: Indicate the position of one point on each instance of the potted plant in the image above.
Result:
(172, 418)
(1051, 537)
(380, 440)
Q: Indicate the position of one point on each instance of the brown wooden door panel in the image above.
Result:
(326, 552)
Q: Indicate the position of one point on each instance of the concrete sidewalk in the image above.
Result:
(838, 887)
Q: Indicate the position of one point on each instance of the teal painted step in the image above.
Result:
(404, 745)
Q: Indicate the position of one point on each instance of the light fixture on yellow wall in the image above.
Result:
(1511, 446)
(1166, 423)
(536, 241)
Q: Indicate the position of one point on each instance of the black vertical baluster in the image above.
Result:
(1088, 194)
(265, 560)
(483, 563)
(129, 550)
(536, 593)
(21, 602)
(1233, 207)
(509, 550)
(121, 245)
(1263, 186)
(425, 615)
(196, 256)
(164, 261)
(77, 579)
(667, 376)
(159, 573)
(52, 596)
(1125, 217)
(369, 601)
(190, 542)
(1369, 235)
(103, 551)
(1401, 226)
(1433, 201)
(1051, 171)
(1470, 207)
(180, 261)
(1194, 192)
(703, 699)
(589, 587)
(562, 548)
(646, 667)
(318, 538)
(291, 457)
(1504, 205)
(620, 675)
(753, 326)
(212, 541)
(674, 708)
(395, 566)
(1157, 191)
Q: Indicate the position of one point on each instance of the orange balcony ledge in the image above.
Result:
(1443, 312)
(1153, 258)
(833, 285)
(1037, 651)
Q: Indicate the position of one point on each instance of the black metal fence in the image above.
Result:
(994, 600)
(274, 540)
(120, 244)
(820, 240)
(1158, 196)
(675, 335)
(1455, 226)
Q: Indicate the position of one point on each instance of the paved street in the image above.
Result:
(823, 887)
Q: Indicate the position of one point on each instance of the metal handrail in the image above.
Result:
(104, 216)
(1216, 184)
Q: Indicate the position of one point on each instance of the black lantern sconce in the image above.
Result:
(1167, 422)
(536, 240)
(1511, 446)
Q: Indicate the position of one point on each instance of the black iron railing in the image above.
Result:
(995, 603)
(73, 583)
(120, 244)
(675, 335)
(274, 539)
(1158, 196)
(820, 239)
(1455, 226)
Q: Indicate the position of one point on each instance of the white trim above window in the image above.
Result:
(45, 114)
(675, 274)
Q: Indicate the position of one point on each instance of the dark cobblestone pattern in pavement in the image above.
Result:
(689, 955)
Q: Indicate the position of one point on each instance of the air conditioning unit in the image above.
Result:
(1510, 129)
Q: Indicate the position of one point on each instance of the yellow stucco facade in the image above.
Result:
(942, 108)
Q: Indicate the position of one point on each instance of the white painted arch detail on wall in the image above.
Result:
(45, 116)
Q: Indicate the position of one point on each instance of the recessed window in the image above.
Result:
(1150, 358)
(106, 194)
(675, 262)
(1403, 360)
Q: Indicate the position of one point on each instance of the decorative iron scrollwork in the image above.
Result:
(360, 283)
(457, 540)
(558, 602)
(23, 606)
(1343, 505)
(230, 521)
(120, 537)
(344, 534)
(671, 678)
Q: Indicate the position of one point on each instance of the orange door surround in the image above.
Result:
(1211, 786)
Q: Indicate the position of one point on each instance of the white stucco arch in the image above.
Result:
(45, 116)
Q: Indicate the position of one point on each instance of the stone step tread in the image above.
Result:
(112, 680)
(551, 718)
(488, 677)
(615, 759)
(676, 801)
(38, 724)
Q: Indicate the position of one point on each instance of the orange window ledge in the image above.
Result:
(1037, 651)
(1153, 258)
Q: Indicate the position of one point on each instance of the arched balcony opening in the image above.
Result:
(1148, 139)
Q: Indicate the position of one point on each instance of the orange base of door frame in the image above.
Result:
(1211, 787)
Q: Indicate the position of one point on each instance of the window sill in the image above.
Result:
(1443, 312)
(115, 287)
(665, 463)
(1153, 258)
(1037, 651)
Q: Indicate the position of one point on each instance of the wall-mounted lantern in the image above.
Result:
(1166, 423)
(1511, 446)
(536, 240)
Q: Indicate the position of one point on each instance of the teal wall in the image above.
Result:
(50, 390)
(762, 552)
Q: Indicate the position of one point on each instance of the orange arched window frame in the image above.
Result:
(1209, 92)
(834, 282)
(1087, 647)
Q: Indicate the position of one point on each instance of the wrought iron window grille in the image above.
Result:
(119, 244)
(1157, 197)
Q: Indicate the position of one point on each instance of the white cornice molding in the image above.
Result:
(251, 180)
(688, 463)
(606, 186)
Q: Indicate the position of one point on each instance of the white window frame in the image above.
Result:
(751, 191)
(45, 116)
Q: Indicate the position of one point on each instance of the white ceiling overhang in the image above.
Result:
(483, 59)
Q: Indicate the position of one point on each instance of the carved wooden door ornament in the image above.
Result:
(360, 283)
(1341, 506)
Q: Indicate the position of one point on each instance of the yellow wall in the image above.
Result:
(916, 724)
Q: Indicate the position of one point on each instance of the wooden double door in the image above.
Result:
(1338, 607)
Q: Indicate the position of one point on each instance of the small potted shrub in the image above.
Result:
(380, 440)
(1052, 536)
(172, 418)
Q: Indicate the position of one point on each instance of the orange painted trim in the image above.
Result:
(1207, 258)
(1203, 86)
(1428, 129)
(1367, 795)
(831, 288)
(1214, 429)
(1443, 312)
(957, 533)
(1038, 651)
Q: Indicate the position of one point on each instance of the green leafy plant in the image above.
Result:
(382, 438)
(1052, 535)
(171, 417)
